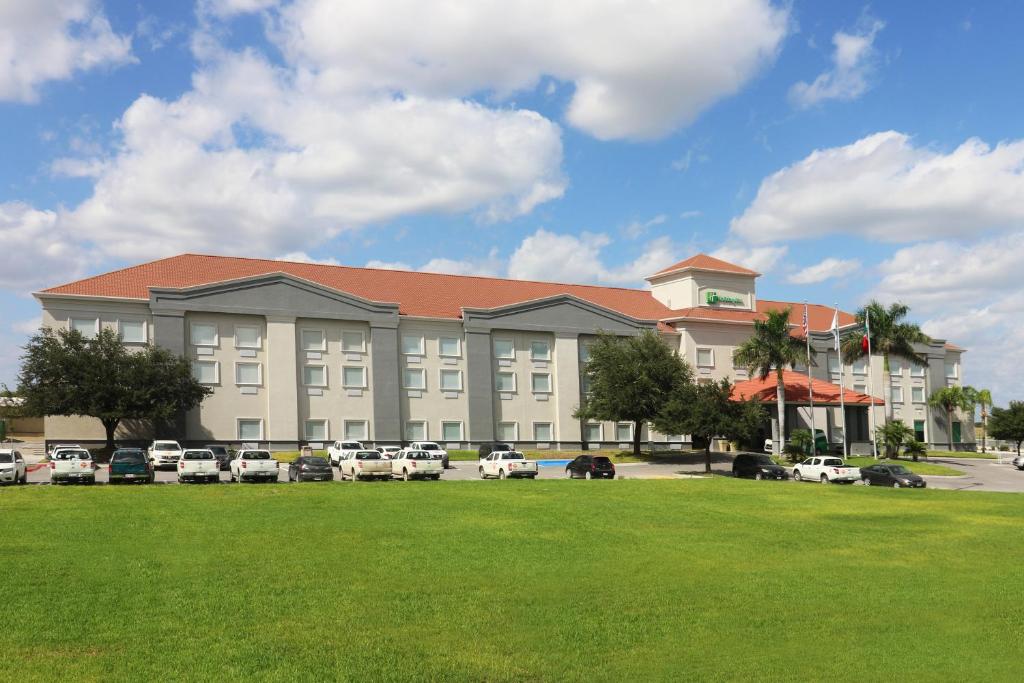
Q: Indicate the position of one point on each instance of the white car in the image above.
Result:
(433, 448)
(507, 464)
(253, 465)
(827, 470)
(72, 464)
(1018, 462)
(198, 464)
(389, 451)
(12, 467)
(413, 464)
(164, 454)
(339, 448)
(364, 465)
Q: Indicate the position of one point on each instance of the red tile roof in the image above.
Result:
(796, 390)
(705, 262)
(726, 315)
(819, 317)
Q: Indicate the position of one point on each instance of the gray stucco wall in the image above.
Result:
(479, 386)
(387, 419)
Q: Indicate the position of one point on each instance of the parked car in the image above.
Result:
(198, 464)
(72, 464)
(1018, 462)
(222, 454)
(590, 467)
(388, 451)
(412, 464)
(508, 464)
(827, 470)
(364, 464)
(433, 448)
(131, 464)
(12, 467)
(253, 465)
(311, 468)
(338, 448)
(489, 447)
(886, 474)
(165, 454)
(758, 466)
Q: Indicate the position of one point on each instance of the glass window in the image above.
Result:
(505, 381)
(951, 371)
(584, 384)
(414, 378)
(352, 342)
(412, 344)
(250, 430)
(584, 352)
(507, 431)
(355, 430)
(248, 373)
(316, 430)
(247, 337)
(897, 394)
(917, 394)
(353, 377)
(542, 431)
(834, 366)
(451, 380)
(623, 431)
(87, 327)
(132, 331)
(860, 388)
(503, 348)
(449, 346)
(313, 340)
(205, 371)
(204, 334)
(540, 350)
(314, 375)
(415, 431)
(541, 382)
(916, 370)
(919, 430)
(451, 431)
(895, 367)
(860, 367)
(592, 432)
(705, 358)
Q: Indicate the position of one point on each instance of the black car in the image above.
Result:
(310, 468)
(758, 466)
(590, 467)
(886, 474)
(488, 448)
(223, 455)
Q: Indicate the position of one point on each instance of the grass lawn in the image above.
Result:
(919, 467)
(991, 455)
(513, 581)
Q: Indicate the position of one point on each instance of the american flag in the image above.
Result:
(805, 320)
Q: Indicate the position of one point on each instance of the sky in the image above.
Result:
(845, 151)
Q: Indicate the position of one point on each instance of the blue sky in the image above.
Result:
(846, 151)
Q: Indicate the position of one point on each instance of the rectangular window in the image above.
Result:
(541, 382)
(132, 331)
(919, 430)
(250, 429)
(624, 431)
(314, 375)
(87, 327)
(503, 348)
(705, 358)
(248, 374)
(451, 431)
(505, 381)
(352, 342)
(508, 431)
(316, 430)
(917, 394)
(247, 337)
(860, 388)
(951, 371)
(313, 340)
(353, 377)
(415, 430)
(916, 370)
(356, 430)
(592, 432)
(412, 344)
(584, 352)
(897, 394)
(414, 378)
(860, 367)
(449, 347)
(834, 366)
(895, 367)
(204, 334)
(542, 432)
(451, 380)
(584, 384)
(540, 350)
(206, 371)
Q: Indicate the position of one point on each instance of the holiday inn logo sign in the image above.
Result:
(716, 298)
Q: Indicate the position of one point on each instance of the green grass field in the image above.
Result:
(518, 581)
(990, 455)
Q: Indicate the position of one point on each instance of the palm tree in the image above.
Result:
(983, 399)
(950, 399)
(890, 336)
(771, 349)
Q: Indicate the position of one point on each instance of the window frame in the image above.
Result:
(145, 330)
(422, 345)
(259, 337)
(327, 429)
(259, 373)
(192, 335)
(422, 372)
(362, 341)
(238, 427)
(462, 430)
(441, 372)
(628, 425)
(956, 370)
(365, 436)
(458, 347)
(551, 431)
(600, 432)
(533, 387)
(323, 366)
(697, 351)
(547, 350)
(893, 389)
(344, 378)
(838, 369)
(515, 430)
(863, 364)
(95, 325)
(917, 370)
(515, 382)
(914, 390)
(302, 339)
(216, 371)
(511, 342)
(426, 434)
(895, 367)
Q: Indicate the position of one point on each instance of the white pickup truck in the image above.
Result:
(253, 465)
(827, 470)
(165, 454)
(340, 448)
(72, 464)
(510, 464)
(364, 465)
(198, 464)
(409, 464)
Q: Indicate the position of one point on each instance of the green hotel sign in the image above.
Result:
(716, 298)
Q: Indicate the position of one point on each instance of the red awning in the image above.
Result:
(825, 393)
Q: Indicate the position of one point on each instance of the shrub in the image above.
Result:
(800, 445)
(915, 449)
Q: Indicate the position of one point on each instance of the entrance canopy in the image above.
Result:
(825, 393)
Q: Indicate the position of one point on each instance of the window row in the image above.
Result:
(505, 349)
(251, 429)
(251, 374)
(128, 331)
(593, 432)
(250, 337)
(916, 394)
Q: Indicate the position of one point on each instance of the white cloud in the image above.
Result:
(853, 63)
(761, 259)
(691, 214)
(30, 326)
(828, 269)
(303, 257)
(491, 266)
(637, 74)
(883, 187)
(549, 256)
(388, 265)
(637, 228)
(227, 8)
(35, 251)
(48, 40)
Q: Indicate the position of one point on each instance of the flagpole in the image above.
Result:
(810, 386)
(871, 386)
(842, 381)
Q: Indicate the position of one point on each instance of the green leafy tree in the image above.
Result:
(893, 435)
(891, 336)
(1008, 423)
(630, 380)
(801, 444)
(983, 399)
(706, 411)
(950, 399)
(914, 448)
(770, 350)
(63, 373)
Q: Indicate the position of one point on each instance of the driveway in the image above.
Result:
(979, 475)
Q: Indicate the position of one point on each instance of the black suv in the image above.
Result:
(223, 455)
(488, 448)
(590, 467)
(758, 466)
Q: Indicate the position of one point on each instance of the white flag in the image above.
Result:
(835, 328)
